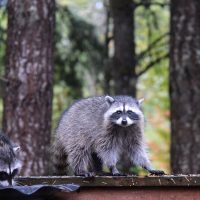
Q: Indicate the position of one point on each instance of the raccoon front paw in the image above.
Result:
(114, 171)
(116, 174)
(157, 172)
(89, 174)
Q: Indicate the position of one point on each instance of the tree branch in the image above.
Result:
(152, 63)
(148, 4)
(152, 45)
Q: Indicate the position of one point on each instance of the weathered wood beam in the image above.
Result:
(110, 181)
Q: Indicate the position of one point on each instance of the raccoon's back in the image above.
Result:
(84, 118)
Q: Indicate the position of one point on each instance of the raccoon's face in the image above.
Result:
(9, 164)
(123, 111)
(7, 176)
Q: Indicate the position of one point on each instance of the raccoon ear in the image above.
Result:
(140, 101)
(109, 99)
(16, 149)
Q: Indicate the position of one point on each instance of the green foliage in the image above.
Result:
(3, 25)
(78, 52)
(78, 60)
(152, 26)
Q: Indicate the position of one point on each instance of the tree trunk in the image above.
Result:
(185, 86)
(29, 74)
(123, 71)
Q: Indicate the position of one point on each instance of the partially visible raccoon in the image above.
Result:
(9, 162)
(98, 130)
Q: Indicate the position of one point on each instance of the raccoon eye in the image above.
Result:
(119, 112)
(130, 112)
(132, 115)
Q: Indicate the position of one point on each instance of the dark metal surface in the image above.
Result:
(28, 190)
(35, 191)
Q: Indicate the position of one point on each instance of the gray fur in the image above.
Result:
(9, 162)
(90, 127)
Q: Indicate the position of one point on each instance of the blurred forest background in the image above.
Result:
(101, 47)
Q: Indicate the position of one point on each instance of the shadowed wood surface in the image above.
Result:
(110, 181)
(132, 194)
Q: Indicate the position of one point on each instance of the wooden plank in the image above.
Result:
(110, 181)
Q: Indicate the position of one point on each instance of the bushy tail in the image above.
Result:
(59, 159)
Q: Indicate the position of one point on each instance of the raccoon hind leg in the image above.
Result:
(59, 161)
(97, 165)
(80, 161)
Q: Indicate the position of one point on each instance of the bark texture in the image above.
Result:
(123, 70)
(185, 86)
(29, 71)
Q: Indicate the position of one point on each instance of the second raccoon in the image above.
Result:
(9, 160)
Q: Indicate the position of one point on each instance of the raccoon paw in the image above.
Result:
(89, 174)
(118, 174)
(157, 172)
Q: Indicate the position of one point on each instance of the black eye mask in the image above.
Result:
(132, 115)
(4, 176)
(14, 172)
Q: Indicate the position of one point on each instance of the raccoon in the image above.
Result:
(97, 131)
(9, 162)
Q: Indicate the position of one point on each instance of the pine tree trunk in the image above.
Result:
(185, 86)
(123, 71)
(29, 74)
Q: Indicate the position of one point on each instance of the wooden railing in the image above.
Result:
(116, 181)
(117, 188)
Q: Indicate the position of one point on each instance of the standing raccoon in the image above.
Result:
(97, 131)
(9, 162)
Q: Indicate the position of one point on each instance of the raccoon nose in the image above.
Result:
(124, 122)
